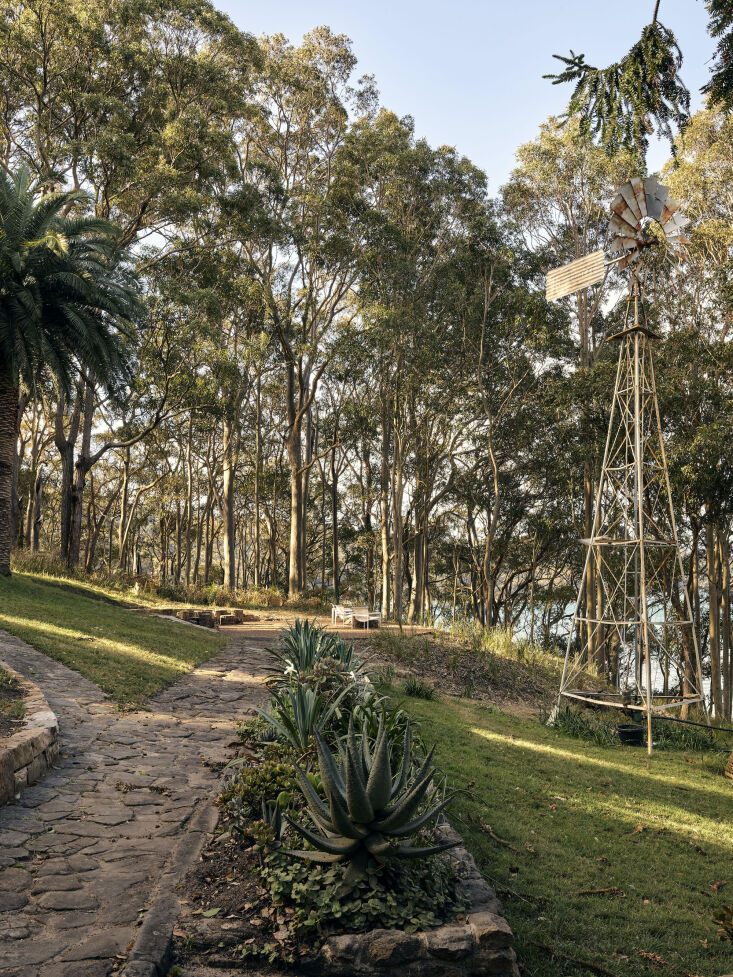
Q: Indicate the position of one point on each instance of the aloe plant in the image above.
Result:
(368, 811)
(298, 713)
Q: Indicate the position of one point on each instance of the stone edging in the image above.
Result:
(481, 945)
(150, 955)
(32, 750)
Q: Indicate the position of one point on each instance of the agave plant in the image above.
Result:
(369, 811)
(298, 713)
(305, 644)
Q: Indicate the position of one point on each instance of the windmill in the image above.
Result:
(642, 623)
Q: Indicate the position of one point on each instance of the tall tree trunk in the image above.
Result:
(81, 469)
(714, 616)
(189, 499)
(229, 462)
(384, 514)
(335, 527)
(296, 510)
(8, 449)
(725, 630)
(124, 499)
(258, 466)
(15, 511)
(65, 445)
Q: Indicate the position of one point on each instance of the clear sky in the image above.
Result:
(470, 72)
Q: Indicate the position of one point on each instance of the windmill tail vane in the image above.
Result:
(633, 622)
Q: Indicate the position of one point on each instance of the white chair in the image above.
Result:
(364, 616)
(340, 611)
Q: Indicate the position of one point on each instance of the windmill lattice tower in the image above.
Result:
(643, 623)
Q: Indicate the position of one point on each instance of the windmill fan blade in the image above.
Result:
(622, 227)
(627, 192)
(670, 208)
(653, 204)
(637, 185)
(575, 275)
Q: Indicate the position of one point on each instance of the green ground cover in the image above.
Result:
(128, 654)
(578, 817)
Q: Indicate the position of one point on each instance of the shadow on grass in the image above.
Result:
(581, 819)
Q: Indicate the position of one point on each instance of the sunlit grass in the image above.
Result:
(583, 817)
(129, 655)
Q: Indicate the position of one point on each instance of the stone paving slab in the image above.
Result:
(82, 849)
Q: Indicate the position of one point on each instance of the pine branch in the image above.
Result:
(625, 102)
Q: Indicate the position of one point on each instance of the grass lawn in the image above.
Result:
(659, 834)
(128, 654)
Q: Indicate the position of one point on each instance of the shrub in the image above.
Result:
(369, 811)
(417, 689)
(396, 896)
(270, 782)
(601, 731)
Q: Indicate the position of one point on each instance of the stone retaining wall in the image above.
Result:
(29, 752)
(483, 944)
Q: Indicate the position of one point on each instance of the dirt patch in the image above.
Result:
(12, 695)
(522, 682)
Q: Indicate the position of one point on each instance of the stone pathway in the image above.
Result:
(80, 852)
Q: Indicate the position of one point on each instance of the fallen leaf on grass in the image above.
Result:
(717, 885)
(611, 891)
(638, 829)
(654, 957)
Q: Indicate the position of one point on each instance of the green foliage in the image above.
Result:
(256, 730)
(65, 289)
(304, 644)
(373, 711)
(625, 101)
(268, 783)
(297, 713)
(368, 809)
(669, 735)
(417, 689)
(581, 726)
(600, 728)
(720, 86)
(411, 896)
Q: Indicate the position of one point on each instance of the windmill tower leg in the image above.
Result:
(634, 550)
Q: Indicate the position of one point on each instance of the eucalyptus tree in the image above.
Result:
(65, 295)
(293, 237)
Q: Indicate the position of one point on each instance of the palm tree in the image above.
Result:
(65, 296)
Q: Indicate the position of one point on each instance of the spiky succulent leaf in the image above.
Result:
(407, 805)
(331, 778)
(430, 815)
(334, 846)
(406, 851)
(357, 799)
(401, 781)
(379, 784)
(321, 857)
(341, 821)
(318, 810)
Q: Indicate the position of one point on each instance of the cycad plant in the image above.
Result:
(64, 296)
(369, 811)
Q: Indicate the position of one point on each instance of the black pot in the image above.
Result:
(631, 734)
